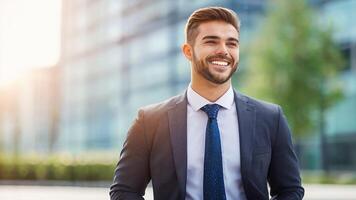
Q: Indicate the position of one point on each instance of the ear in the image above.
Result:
(187, 51)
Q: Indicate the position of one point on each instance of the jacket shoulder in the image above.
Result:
(260, 105)
(157, 109)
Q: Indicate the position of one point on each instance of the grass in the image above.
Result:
(58, 167)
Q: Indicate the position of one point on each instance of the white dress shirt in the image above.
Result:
(230, 145)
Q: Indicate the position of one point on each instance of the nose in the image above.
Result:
(221, 49)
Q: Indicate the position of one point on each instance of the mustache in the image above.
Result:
(220, 57)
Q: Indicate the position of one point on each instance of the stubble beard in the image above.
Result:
(202, 67)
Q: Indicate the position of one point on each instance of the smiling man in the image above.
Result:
(211, 142)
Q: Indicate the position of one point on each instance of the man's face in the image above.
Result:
(215, 53)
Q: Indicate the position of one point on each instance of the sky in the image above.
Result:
(29, 36)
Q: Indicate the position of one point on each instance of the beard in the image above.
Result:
(202, 67)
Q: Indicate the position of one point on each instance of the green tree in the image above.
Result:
(290, 61)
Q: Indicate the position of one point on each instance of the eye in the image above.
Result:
(210, 42)
(232, 44)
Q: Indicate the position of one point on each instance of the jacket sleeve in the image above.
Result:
(132, 173)
(284, 176)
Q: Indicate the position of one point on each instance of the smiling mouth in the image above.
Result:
(219, 60)
(220, 63)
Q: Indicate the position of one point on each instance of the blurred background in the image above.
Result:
(73, 74)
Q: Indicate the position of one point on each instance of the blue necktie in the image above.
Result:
(213, 185)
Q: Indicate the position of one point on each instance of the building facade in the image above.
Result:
(340, 126)
(29, 111)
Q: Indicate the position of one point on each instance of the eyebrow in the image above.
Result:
(213, 37)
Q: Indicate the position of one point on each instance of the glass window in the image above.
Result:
(338, 15)
(194, 4)
(183, 68)
(149, 74)
(340, 118)
(148, 96)
(114, 7)
(154, 44)
(113, 29)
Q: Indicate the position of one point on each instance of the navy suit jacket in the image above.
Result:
(156, 149)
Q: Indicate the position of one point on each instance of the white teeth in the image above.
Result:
(221, 63)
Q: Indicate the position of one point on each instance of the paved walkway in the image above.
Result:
(313, 192)
(330, 192)
(52, 192)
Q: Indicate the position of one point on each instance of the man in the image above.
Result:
(211, 142)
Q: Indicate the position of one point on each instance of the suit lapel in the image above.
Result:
(247, 121)
(178, 132)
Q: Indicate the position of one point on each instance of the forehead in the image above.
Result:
(217, 28)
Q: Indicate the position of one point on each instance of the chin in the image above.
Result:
(219, 81)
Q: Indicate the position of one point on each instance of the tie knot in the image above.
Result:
(211, 110)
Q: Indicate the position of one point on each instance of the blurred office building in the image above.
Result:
(340, 120)
(118, 55)
(29, 112)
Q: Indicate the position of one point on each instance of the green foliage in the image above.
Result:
(54, 168)
(290, 62)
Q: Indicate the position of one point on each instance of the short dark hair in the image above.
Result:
(209, 14)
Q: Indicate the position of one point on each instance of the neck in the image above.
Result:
(208, 90)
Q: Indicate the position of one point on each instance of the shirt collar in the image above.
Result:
(196, 101)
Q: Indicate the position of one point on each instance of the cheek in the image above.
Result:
(203, 52)
(236, 55)
(197, 53)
